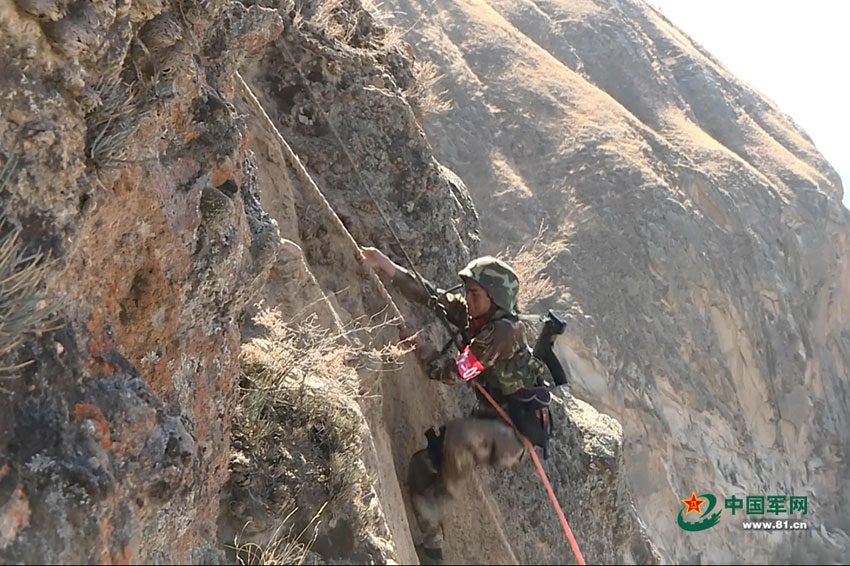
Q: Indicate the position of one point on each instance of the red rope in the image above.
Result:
(542, 473)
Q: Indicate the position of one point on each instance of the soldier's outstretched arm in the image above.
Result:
(412, 288)
(377, 260)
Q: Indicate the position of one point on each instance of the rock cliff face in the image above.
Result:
(132, 172)
(162, 188)
(706, 259)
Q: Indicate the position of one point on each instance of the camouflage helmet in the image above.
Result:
(497, 278)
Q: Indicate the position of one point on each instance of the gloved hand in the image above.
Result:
(430, 357)
(410, 336)
(376, 260)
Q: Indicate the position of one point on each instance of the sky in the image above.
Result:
(795, 53)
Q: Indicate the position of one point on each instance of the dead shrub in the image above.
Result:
(298, 397)
(530, 262)
(421, 94)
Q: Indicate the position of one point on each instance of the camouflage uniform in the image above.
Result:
(499, 343)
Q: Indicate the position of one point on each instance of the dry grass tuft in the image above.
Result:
(530, 262)
(23, 307)
(332, 18)
(283, 547)
(351, 21)
(112, 123)
(421, 94)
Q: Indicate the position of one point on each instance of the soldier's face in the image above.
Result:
(477, 300)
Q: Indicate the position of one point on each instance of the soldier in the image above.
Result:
(496, 353)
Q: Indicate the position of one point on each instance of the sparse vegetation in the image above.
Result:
(298, 399)
(333, 19)
(391, 36)
(283, 548)
(343, 19)
(530, 262)
(421, 95)
(112, 123)
(376, 10)
(23, 307)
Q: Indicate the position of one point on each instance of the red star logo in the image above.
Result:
(693, 503)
